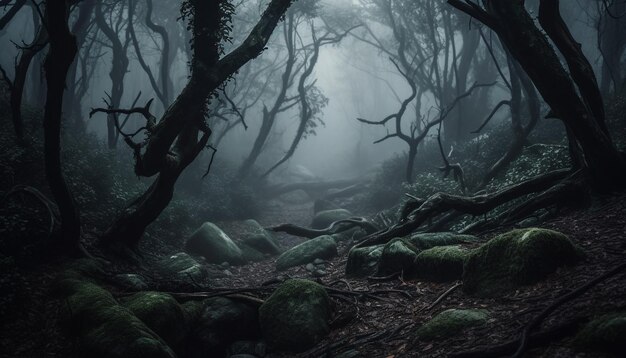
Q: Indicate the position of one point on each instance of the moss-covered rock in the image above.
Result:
(218, 322)
(323, 219)
(106, 329)
(363, 261)
(213, 243)
(131, 281)
(397, 256)
(425, 241)
(323, 247)
(258, 238)
(440, 264)
(520, 257)
(181, 266)
(295, 317)
(450, 323)
(161, 313)
(606, 333)
(250, 254)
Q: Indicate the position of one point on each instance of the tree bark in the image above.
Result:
(60, 56)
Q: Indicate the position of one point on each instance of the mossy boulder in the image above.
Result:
(323, 219)
(440, 264)
(250, 254)
(363, 261)
(106, 329)
(218, 322)
(425, 241)
(259, 239)
(295, 317)
(517, 258)
(181, 266)
(450, 323)
(213, 243)
(161, 313)
(606, 333)
(323, 247)
(397, 256)
(131, 281)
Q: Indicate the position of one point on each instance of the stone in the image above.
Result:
(258, 238)
(321, 247)
(181, 266)
(440, 264)
(217, 323)
(213, 243)
(295, 317)
(131, 281)
(397, 256)
(323, 219)
(425, 241)
(605, 333)
(450, 323)
(103, 327)
(310, 267)
(363, 261)
(161, 313)
(517, 258)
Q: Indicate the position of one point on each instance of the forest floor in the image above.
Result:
(378, 325)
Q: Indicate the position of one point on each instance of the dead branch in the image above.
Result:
(441, 203)
(443, 296)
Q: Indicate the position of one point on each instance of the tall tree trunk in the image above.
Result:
(60, 56)
(21, 72)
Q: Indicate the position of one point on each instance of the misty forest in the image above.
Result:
(312, 178)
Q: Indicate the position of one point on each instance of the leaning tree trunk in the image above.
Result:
(60, 56)
(604, 163)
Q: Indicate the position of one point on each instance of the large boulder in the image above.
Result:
(323, 247)
(218, 322)
(103, 327)
(259, 239)
(363, 261)
(295, 317)
(181, 266)
(425, 241)
(450, 323)
(440, 264)
(517, 258)
(213, 243)
(161, 313)
(323, 219)
(606, 333)
(397, 256)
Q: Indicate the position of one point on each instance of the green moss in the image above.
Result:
(520, 257)
(251, 254)
(451, 322)
(440, 264)
(295, 317)
(425, 241)
(212, 243)
(323, 247)
(398, 255)
(106, 329)
(363, 261)
(161, 313)
(606, 333)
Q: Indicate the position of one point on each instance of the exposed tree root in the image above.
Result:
(443, 296)
(52, 208)
(442, 203)
(334, 228)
